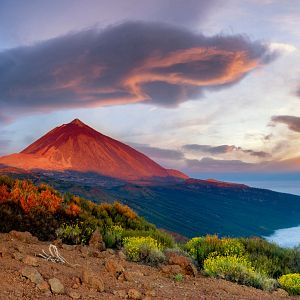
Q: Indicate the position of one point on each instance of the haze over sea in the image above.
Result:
(280, 182)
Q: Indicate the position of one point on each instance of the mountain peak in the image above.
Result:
(77, 122)
(76, 146)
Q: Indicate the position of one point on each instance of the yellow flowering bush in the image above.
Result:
(201, 248)
(290, 283)
(237, 269)
(144, 249)
(231, 247)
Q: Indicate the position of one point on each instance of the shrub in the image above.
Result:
(112, 236)
(237, 269)
(178, 277)
(75, 234)
(163, 238)
(143, 249)
(290, 283)
(271, 259)
(201, 247)
(41, 210)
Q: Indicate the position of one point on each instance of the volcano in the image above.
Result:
(76, 146)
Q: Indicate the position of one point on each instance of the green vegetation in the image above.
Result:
(48, 215)
(291, 283)
(271, 259)
(237, 269)
(201, 247)
(144, 249)
(178, 277)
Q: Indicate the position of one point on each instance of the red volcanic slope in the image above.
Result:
(76, 146)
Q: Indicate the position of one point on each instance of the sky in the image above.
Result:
(208, 87)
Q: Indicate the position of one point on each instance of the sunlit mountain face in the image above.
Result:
(209, 88)
(76, 146)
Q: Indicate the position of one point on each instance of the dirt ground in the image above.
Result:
(108, 275)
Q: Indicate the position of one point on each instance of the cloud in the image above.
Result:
(208, 164)
(4, 119)
(128, 63)
(283, 47)
(4, 145)
(292, 122)
(158, 153)
(298, 92)
(223, 149)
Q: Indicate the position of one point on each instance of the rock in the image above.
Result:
(68, 247)
(25, 237)
(43, 286)
(134, 294)
(56, 286)
(30, 261)
(84, 251)
(111, 251)
(75, 286)
(132, 275)
(96, 241)
(121, 255)
(105, 254)
(114, 267)
(281, 293)
(3, 251)
(32, 274)
(92, 279)
(74, 295)
(17, 256)
(184, 262)
(171, 269)
(120, 293)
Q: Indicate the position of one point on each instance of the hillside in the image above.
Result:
(76, 158)
(107, 251)
(193, 207)
(18, 253)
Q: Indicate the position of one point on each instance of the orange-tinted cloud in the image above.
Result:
(128, 63)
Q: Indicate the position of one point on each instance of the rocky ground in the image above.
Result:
(93, 274)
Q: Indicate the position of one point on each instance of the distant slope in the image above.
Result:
(76, 146)
(191, 208)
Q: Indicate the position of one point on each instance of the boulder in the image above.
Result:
(113, 267)
(134, 294)
(74, 295)
(184, 262)
(56, 286)
(30, 261)
(96, 241)
(132, 275)
(43, 286)
(171, 269)
(32, 274)
(92, 279)
(25, 237)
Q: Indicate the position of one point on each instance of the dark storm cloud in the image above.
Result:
(128, 63)
(223, 149)
(292, 122)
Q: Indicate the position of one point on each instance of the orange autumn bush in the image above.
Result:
(4, 193)
(42, 210)
(31, 197)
